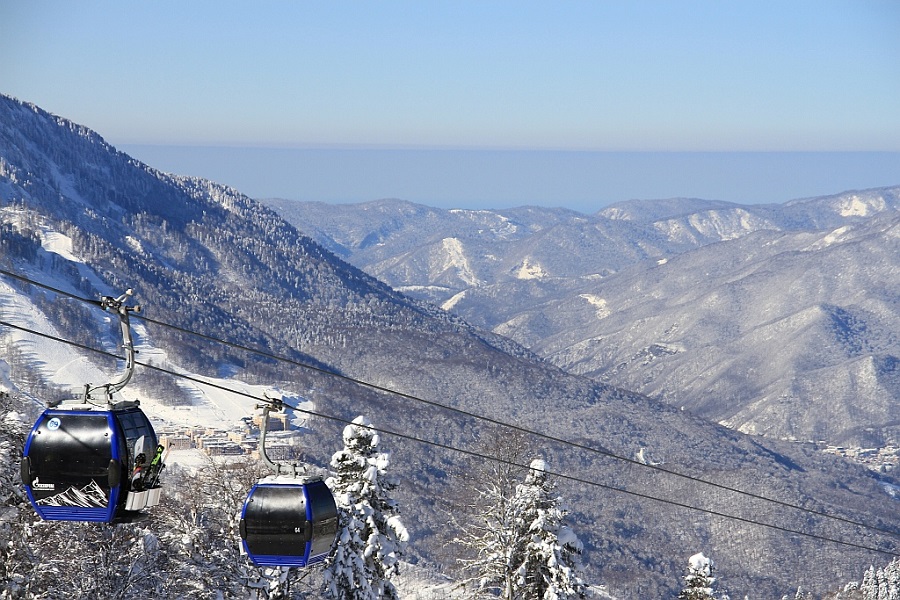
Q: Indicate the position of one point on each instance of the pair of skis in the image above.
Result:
(145, 476)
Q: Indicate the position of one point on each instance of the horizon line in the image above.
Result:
(484, 148)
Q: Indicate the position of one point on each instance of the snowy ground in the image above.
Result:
(62, 365)
(59, 363)
(416, 583)
(56, 362)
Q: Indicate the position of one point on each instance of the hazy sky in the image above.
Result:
(553, 75)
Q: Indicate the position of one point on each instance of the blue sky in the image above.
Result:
(641, 76)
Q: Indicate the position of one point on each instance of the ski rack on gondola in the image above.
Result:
(87, 460)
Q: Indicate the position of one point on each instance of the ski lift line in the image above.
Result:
(462, 412)
(517, 428)
(458, 411)
(571, 478)
(479, 455)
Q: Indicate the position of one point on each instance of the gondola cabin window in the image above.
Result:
(135, 426)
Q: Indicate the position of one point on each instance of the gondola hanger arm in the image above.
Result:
(276, 404)
(122, 310)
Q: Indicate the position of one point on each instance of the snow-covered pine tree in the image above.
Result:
(869, 586)
(519, 547)
(699, 582)
(802, 594)
(371, 538)
(15, 565)
(851, 591)
(551, 564)
(892, 577)
(882, 584)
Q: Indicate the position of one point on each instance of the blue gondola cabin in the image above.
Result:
(288, 522)
(78, 464)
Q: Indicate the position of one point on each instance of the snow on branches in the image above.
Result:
(699, 581)
(371, 538)
(519, 547)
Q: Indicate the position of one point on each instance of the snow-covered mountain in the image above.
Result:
(80, 216)
(781, 320)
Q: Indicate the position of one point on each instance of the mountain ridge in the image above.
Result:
(205, 258)
(587, 292)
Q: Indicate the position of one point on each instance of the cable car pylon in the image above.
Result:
(289, 519)
(86, 460)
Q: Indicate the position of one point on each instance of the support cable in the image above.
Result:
(458, 411)
(479, 455)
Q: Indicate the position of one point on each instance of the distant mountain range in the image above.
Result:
(90, 221)
(781, 320)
